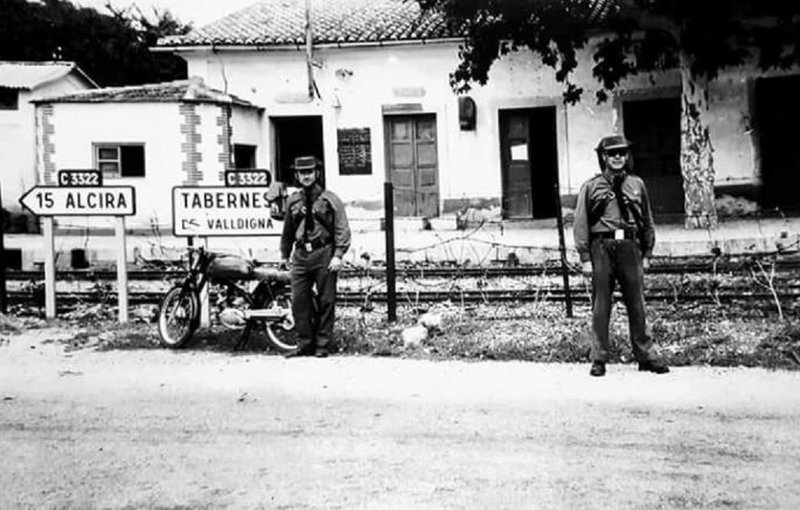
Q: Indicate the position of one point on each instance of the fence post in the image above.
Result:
(3, 295)
(562, 249)
(391, 296)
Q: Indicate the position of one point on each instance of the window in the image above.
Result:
(9, 99)
(120, 160)
(244, 156)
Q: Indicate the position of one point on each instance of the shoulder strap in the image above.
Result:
(623, 207)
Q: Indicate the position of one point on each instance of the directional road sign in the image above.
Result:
(222, 211)
(80, 201)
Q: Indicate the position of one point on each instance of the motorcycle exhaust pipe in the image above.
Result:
(267, 314)
(237, 319)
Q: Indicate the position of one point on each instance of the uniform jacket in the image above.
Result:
(330, 221)
(598, 211)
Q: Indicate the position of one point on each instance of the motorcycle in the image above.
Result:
(267, 308)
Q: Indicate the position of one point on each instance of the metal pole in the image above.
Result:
(309, 51)
(3, 294)
(391, 296)
(562, 248)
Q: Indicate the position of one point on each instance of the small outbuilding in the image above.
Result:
(152, 137)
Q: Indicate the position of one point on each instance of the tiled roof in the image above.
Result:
(192, 91)
(282, 22)
(29, 75)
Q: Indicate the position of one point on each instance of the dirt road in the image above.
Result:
(161, 429)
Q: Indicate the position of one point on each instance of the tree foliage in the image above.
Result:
(113, 49)
(635, 36)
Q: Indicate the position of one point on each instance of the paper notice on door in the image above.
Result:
(519, 152)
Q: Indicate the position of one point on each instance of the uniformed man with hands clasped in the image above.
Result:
(316, 235)
(614, 236)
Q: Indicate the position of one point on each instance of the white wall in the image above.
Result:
(78, 126)
(18, 139)
(355, 82)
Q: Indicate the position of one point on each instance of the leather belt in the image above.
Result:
(618, 234)
(315, 244)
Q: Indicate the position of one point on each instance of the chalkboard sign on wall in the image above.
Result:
(355, 151)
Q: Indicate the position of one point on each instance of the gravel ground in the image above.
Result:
(204, 428)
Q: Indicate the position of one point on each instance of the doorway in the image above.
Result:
(296, 136)
(413, 164)
(653, 127)
(777, 104)
(529, 160)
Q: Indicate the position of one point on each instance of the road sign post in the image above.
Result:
(49, 268)
(81, 194)
(122, 268)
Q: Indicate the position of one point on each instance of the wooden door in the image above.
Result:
(529, 162)
(654, 128)
(413, 165)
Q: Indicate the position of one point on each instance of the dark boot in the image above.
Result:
(598, 369)
(655, 366)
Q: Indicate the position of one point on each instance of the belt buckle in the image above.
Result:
(619, 234)
(308, 247)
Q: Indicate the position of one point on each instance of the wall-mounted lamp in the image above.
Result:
(466, 113)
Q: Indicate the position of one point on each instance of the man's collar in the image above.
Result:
(313, 190)
(609, 174)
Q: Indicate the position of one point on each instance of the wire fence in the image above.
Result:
(478, 261)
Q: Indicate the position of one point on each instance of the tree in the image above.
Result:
(111, 48)
(700, 38)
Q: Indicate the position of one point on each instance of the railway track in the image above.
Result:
(694, 265)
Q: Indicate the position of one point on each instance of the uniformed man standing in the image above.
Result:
(316, 234)
(614, 236)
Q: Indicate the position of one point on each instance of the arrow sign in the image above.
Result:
(80, 201)
(222, 211)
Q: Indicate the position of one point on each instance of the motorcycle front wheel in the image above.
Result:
(178, 317)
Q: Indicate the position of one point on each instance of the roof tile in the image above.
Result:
(29, 75)
(282, 22)
(191, 90)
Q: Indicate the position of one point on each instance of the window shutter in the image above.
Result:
(132, 157)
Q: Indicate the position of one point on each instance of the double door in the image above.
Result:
(413, 164)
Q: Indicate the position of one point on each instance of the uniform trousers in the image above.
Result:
(313, 317)
(618, 261)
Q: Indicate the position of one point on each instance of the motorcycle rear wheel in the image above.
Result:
(282, 335)
(178, 317)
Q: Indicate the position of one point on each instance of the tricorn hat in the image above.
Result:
(613, 142)
(305, 163)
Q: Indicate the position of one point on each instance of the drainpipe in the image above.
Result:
(309, 51)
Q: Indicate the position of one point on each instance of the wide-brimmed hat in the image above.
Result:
(305, 163)
(613, 142)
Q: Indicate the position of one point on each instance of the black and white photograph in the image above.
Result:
(399, 254)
